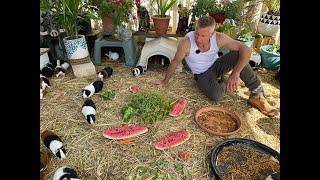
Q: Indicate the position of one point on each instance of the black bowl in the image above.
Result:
(239, 141)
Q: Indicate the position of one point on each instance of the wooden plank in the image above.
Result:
(153, 34)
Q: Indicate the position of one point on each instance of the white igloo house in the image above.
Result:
(165, 46)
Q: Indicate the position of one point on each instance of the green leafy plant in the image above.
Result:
(232, 10)
(159, 164)
(203, 7)
(142, 169)
(107, 95)
(245, 35)
(66, 13)
(147, 106)
(273, 6)
(225, 28)
(275, 48)
(118, 10)
(169, 177)
(164, 6)
(258, 36)
(185, 171)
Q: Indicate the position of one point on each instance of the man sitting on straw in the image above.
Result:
(200, 48)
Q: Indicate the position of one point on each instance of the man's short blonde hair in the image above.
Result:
(206, 21)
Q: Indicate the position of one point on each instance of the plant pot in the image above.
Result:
(161, 24)
(218, 17)
(78, 55)
(107, 24)
(76, 48)
(248, 43)
(269, 25)
(269, 59)
(44, 57)
(235, 118)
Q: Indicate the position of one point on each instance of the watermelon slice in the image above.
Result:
(172, 140)
(124, 132)
(178, 107)
(134, 88)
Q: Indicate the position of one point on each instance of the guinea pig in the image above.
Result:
(92, 88)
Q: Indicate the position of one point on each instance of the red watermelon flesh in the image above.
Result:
(124, 132)
(172, 140)
(134, 88)
(178, 107)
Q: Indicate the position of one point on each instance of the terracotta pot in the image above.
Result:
(161, 24)
(107, 24)
(218, 17)
(218, 109)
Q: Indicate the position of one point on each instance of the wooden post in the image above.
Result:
(174, 17)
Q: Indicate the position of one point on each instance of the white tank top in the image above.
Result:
(199, 63)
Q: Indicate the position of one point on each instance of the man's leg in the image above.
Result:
(225, 63)
(211, 86)
(215, 89)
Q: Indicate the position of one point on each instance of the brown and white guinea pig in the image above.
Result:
(138, 70)
(89, 111)
(65, 173)
(47, 70)
(105, 72)
(44, 160)
(92, 88)
(54, 143)
(62, 68)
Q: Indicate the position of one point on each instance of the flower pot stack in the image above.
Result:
(78, 55)
(269, 25)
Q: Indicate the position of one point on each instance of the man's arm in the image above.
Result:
(182, 51)
(244, 57)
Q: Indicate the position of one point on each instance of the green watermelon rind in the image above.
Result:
(158, 144)
(175, 104)
(138, 130)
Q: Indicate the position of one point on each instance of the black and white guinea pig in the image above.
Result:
(89, 110)
(106, 72)
(138, 70)
(92, 88)
(47, 70)
(54, 143)
(274, 176)
(44, 83)
(65, 173)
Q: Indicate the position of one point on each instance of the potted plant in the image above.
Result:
(113, 12)
(269, 23)
(233, 10)
(270, 56)
(219, 11)
(226, 28)
(246, 36)
(161, 21)
(66, 13)
(212, 7)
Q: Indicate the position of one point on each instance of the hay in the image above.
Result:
(95, 157)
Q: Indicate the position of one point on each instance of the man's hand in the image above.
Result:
(159, 82)
(233, 82)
